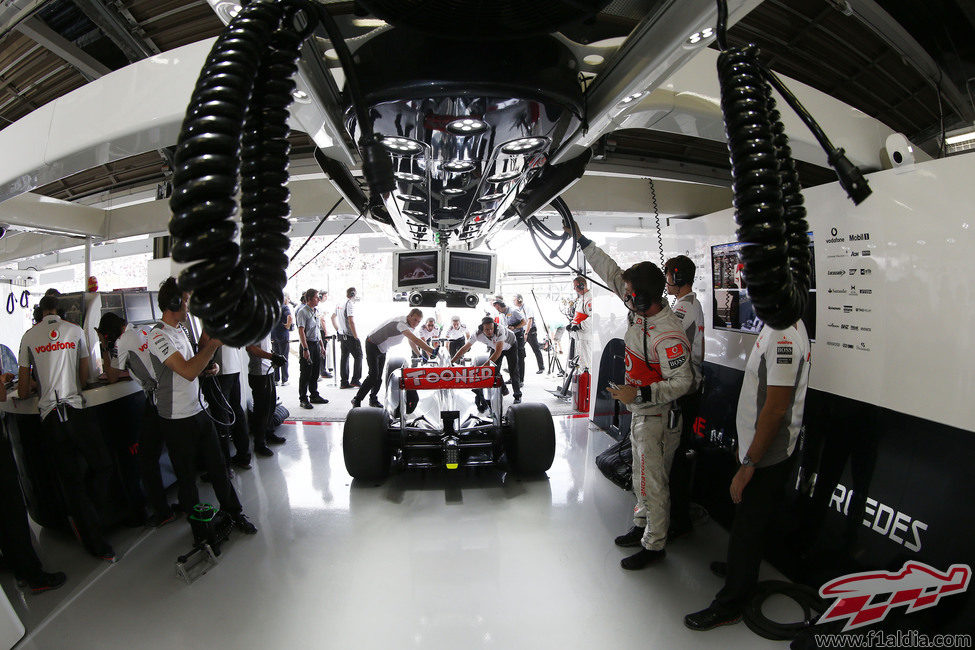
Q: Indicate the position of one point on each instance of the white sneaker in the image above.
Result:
(284, 383)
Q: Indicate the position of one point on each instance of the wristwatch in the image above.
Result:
(747, 461)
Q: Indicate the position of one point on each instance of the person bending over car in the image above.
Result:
(501, 343)
(378, 343)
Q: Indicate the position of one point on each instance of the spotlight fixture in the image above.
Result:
(467, 126)
(458, 166)
(403, 146)
(523, 146)
(504, 177)
(409, 177)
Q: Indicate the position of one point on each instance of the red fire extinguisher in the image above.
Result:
(582, 392)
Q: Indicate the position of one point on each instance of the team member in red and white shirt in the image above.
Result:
(57, 353)
(580, 329)
(658, 371)
(186, 429)
(680, 279)
(128, 350)
(770, 410)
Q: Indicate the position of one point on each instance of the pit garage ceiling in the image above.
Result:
(908, 64)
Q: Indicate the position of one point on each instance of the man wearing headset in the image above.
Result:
(580, 329)
(680, 278)
(185, 426)
(658, 371)
(343, 319)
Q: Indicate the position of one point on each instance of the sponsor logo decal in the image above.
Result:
(853, 271)
(835, 273)
(864, 310)
(832, 324)
(833, 307)
(898, 527)
(863, 328)
(917, 586)
(854, 254)
(834, 239)
(675, 351)
(54, 347)
(833, 343)
(53, 335)
(863, 346)
(865, 253)
(865, 271)
(848, 345)
(847, 309)
(783, 360)
(844, 326)
(832, 290)
(638, 372)
(784, 349)
(453, 377)
(863, 236)
(676, 363)
(866, 290)
(854, 328)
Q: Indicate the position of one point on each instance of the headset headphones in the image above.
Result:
(678, 276)
(350, 294)
(641, 277)
(487, 320)
(579, 284)
(175, 302)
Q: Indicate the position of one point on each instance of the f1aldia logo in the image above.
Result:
(916, 585)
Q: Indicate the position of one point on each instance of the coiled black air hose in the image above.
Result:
(767, 196)
(236, 124)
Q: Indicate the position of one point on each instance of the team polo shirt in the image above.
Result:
(688, 311)
(132, 354)
(507, 337)
(307, 318)
(389, 334)
(454, 333)
(229, 360)
(341, 312)
(427, 335)
(779, 358)
(55, 348)
(176, 397)
(259, 365)
(512, 317)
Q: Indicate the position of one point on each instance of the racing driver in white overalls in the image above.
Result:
(658, 371)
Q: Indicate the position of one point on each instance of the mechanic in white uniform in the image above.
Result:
(128, 351)
(680, 278)
(222, 391)
(379, 341)
(501, 343)
(456, 335)
(531, 336)
(658, 371)
(428, 332)
(770, 409)
(261, 380)
(186, 428)
(580, 329)
(57, 353)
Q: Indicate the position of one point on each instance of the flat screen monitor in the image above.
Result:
(112, 304)
(416, 270)
(732, 305)
(71, 306)
(467, 271)
(138, 307)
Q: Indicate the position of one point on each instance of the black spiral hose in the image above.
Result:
(767, 198)
(236, 125)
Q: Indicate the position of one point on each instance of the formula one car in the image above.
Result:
(443, 416)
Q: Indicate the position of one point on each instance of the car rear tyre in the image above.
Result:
(530, 444)
(364, 444)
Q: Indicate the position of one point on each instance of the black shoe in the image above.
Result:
(160, 520)
(317, 399)
(710, 618)
(106, 553)
(241, 524)
(355, 384)
(504, 389)
(719, 569)
(356, 403)
(326, 375)
(304, 404)
(263, 451)
(516, 400)
(642, 558)
(541, 371)
(345, 385)
(241, 461)
(275, 439)
(375, 403)
(45, 581)
(632, 537)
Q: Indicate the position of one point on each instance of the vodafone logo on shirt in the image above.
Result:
(54, 347)
(53, 335)
(675, 351)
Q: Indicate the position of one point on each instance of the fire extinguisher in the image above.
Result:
(582, 392)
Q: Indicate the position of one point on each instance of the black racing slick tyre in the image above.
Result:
(530, 443)
(364, 444)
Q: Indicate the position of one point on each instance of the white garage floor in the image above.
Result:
(426, 560)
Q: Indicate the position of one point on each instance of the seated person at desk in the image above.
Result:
(56, 351)
(15, 542)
